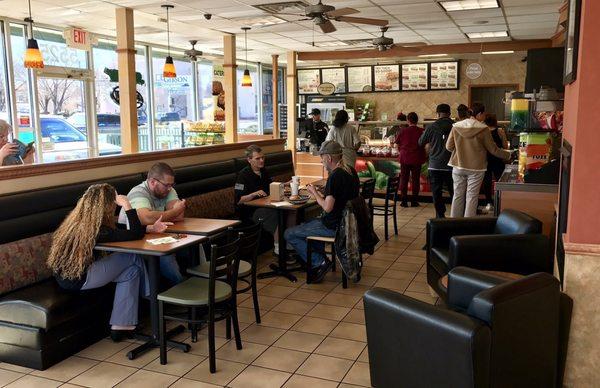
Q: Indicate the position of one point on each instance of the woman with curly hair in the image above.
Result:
(76, 266)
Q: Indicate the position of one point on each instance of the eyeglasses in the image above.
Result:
(167, 185)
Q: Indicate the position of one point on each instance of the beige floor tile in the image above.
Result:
(8, 376)
(351, 331)
(340, 348)
(325, 286)
(280, 281)
(281, 359)
(385, 256)
(424, 297)
(353, 288)
(66, 369)
(243, 297)
(359, 375)
(355, 316)
(344, 385)
(220, 328)
(393, 284)
(104, 374)
(304, 342)
(102, 349)
(187, 383)
(372, 271)
(249, 352)
(335, 313)
(401, 275)
(364, 356)
(265, 303)
(291, 306)
(256, 377)
(421, 277)
(148, 379)
(178, 363)
(378, 263)
(359, 305)
(138, 362)
(416, 286)
(226, 371)
(69, 385)
(29, 381)
(200, 348)
(15, 368)
(246, 315)
(325, 367)
(279, 320)
(409, 267)
(410, 259)
(299, 381)
(315, 325)
(261, 334)
(307, 295)
(415, 252)
(344, 300)
(368, 281)
(276, 291)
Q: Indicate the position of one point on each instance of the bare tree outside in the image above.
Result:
(53, 93)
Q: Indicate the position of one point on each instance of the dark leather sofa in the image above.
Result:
(496, 333)
(511, 242)
(41, 324)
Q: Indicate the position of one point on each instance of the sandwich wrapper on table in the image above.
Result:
(162, 240)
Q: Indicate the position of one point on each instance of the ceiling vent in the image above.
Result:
(285, 7)
(144, 30)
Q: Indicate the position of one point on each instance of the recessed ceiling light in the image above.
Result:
(464, 5)
(497, 52)
(491, 34)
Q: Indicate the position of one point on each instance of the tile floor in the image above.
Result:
(310, 335)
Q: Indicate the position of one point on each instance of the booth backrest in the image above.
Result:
(280, 165)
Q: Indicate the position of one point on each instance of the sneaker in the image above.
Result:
(320, 272)
(414, 204)
(404, 204)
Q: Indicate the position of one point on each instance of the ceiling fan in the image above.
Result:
(383, 43)
(192, 53)
(323, 14)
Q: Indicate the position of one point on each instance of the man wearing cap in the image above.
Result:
(440, 174)
(342, 186)
(318, 132)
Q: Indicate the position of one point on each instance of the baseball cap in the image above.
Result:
(443, 108)
(315, 111)
(330, 147)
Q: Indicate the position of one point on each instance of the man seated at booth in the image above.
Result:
(156, 199)
(342, 186)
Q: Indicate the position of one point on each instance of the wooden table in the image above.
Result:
(201, 226)
(281, 269)
(152, 254)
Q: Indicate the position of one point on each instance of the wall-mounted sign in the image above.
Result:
(336, 76)
(360, 79)
(443, 75)
(326, 89)
(415, 76)
(79, 39)
(308, 81)
(387, 78)
(474, 70)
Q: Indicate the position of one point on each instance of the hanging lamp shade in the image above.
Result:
(246, 79)
(169, 68)
(33, 55)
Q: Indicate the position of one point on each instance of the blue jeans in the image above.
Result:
(170, 269)
(297, 235)
(129, 272)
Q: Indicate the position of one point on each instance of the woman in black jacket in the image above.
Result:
(76, 266)
(495, 166)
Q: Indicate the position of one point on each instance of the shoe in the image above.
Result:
(120, 335)
(321, 271)
(404, 204)
(414, 204)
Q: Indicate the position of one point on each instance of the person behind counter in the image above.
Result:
(9, 150)
(470, 140)
(412, 156)
(440, 174)
(495, 166)
(346, 136)
(318, 132)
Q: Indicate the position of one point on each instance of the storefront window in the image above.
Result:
(55, 51)
(173, 101)
(267, 100)
(4, 101)
(248, 120)
(205, 90)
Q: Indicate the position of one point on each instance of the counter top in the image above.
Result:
(508, 182)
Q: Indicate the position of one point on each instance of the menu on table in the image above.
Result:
(444, 75)
(360, 79)
(387, 78)
(308, 81)
(415, 76)
(336, 76)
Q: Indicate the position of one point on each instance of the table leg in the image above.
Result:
(280, 269)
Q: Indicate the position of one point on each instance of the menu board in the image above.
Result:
(308, 81)
(444, 75)
(387, 78)
(336, 76)
(360, 79)
(415, 76)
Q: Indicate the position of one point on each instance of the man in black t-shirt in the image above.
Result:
(342, 185)
(319, 129)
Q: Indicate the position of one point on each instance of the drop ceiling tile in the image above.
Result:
(431, 24)
(533, 36)
(475, 22)
(513, 3)
(530, 26)
(546, 17)
(438, 40)
(483, 40)
(413, 9)
(424, 17)
(370, 12)
(477, 14)
(531, 9)
(484, 28)
(397, 2)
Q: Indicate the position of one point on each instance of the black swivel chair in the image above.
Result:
(511, 242)
(495, 334)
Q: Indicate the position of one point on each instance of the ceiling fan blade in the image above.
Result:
(327, 27)
(373, 22)
(341, 12)
(289, 14)
(412, 44)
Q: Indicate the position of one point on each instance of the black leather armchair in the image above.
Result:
(511, 242)
(513, 334)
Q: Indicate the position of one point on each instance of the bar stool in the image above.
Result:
(390, 195)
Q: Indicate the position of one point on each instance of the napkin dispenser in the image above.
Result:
(276, 191)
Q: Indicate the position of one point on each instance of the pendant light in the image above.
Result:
(246, 79)
(169, 68)
(33, 55)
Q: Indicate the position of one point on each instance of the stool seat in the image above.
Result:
(203, 269)
(194, 292)
(330, 240)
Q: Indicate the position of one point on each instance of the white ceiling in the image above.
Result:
(410, 21)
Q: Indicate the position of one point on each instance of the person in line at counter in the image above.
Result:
(412, 156)
(156, 199)
(495, 166)
(440, 174)
(463, 112)
(342, 186)
(346, 136)
(318, 132)
(76, 266)
(469, 142)
(9, 150)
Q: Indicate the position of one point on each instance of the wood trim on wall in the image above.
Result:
(512, 86)
(14, 172)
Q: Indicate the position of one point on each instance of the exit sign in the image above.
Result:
(79, 39)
